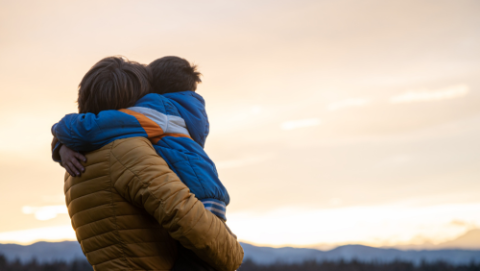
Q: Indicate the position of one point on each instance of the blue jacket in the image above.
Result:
(176, 124)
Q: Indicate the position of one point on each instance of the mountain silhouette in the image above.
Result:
(70, 250)
(469, 240)
(43, 251)
(267, 255)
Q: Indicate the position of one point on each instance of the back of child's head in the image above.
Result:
(112, 83)
(173, 74)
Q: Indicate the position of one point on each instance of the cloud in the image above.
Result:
(56, 233)
(458, 223)
(242, 162)
(295, 124)
(425, 95)
(335, 201)
(354, 102)
(381, 225)
(45, 212)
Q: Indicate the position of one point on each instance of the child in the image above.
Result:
(173, 117)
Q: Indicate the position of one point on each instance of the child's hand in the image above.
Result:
(71, 161)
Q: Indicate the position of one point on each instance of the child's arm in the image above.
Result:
(88, 132)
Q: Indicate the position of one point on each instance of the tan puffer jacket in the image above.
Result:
(128, 207)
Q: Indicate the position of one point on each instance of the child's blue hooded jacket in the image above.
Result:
(177, 125)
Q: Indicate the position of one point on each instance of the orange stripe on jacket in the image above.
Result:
(153, 130)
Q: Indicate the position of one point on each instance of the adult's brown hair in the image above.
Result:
(173, 74)
(112, 83)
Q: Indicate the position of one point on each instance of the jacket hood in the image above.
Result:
(191, 107)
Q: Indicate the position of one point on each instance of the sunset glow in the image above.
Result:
(332, 122)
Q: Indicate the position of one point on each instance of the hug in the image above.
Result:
(141, 192)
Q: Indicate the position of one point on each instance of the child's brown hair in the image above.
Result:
(112, 83)
(173, 74)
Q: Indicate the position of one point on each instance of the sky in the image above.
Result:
(332, 122)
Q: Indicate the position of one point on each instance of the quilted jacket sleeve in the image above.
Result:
(144, 178)
(88, 132)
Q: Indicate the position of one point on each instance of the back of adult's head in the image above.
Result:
(173, 74)
(112, 83)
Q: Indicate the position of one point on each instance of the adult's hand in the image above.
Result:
(71, 160)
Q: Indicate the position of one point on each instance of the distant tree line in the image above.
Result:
(248, 265)
(354, 265)
(34, 265)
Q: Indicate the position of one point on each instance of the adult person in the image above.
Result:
(128, 207)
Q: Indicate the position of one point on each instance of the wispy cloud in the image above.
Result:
(295, 124)
(242, 162)
(381, 225)
(425, 95)
(45, 212)
(57, 233)
(353, 102)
